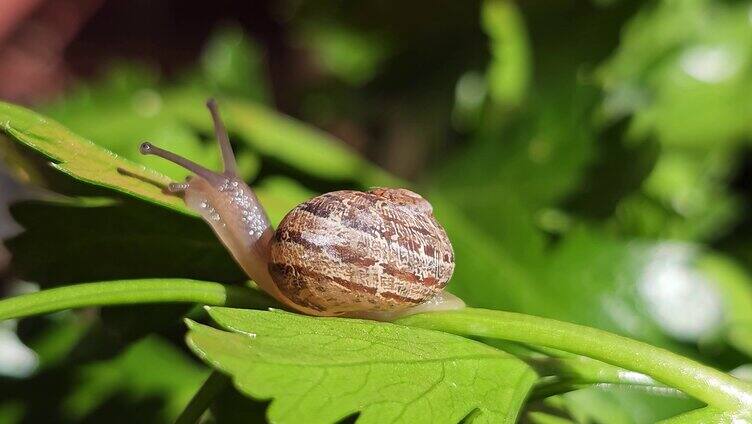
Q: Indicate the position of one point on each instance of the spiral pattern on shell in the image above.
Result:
(351, 251)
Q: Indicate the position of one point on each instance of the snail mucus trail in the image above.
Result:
(378, 254)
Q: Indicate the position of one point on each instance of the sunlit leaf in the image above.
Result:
(82, 159)
(320, 370)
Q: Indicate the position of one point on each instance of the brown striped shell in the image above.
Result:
(351, 251)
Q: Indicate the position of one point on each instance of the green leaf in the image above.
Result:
(683, 70)
(512, 172)
(709, 415)
(320, 370)
(682, 74)
(538, 160)
(509, 72)
(544, 418)
(692, 188)
(83, 160)
(57, 338)
(147, 369)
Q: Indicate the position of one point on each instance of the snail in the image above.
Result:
(378, 254)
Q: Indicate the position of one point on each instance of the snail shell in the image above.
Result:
(349, 251)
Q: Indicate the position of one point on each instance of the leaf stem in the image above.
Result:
(543, 391)
(127, 292)
(700, 381)
(214, 385)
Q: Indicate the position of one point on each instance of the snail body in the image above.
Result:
(378, 254)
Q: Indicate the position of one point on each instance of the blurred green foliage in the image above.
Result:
(589, 161)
